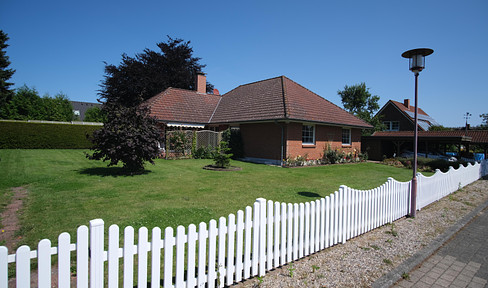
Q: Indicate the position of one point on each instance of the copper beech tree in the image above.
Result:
(129, 134)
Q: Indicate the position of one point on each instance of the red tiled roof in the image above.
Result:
(181, 105)
(280, 98)
(273, 99)
(256, 101)
(477, 136)
(402, 107)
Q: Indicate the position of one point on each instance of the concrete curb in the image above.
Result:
(393, 276)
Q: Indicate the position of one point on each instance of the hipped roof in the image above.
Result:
(273, 99)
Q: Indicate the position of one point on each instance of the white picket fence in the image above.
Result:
(265, 236)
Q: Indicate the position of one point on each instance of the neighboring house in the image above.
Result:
(394, 143)
(400, 117)
(79, 108)
(397, 139)
(277, 117)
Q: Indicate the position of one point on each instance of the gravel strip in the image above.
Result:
(364, 259)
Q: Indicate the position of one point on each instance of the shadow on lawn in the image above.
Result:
(309, 194)
(111, 171)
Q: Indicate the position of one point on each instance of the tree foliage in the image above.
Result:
(26, 104)
(128, 135)
(141, 77)
(358, 101)
(6, 93)
(94, 114)
(484, 120)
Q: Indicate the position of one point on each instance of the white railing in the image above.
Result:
(263, 237)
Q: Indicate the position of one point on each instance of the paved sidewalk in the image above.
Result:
(462, 261)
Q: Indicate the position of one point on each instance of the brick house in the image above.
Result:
(277, 117)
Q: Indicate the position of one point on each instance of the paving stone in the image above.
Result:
(448, 277)
(428, 280)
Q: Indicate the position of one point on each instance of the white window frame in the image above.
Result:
(312, 136)
(349, 135)
(389, 125)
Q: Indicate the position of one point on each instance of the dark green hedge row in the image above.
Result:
(24, 135)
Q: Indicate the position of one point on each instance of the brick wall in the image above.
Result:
(261, 140)
(324, 136)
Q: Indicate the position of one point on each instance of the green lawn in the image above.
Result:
(67, 190)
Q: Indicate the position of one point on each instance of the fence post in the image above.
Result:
(96, 253)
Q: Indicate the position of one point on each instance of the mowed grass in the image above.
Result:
(66, 190)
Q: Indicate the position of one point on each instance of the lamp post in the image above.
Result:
(416, 64)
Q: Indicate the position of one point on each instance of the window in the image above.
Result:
(392, 125)
(308, 134)
(346, 136)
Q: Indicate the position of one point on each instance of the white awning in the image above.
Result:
(185, 125)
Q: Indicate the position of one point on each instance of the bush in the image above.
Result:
(31, 135)
(203, 153)
(221, 156)
(424, 164)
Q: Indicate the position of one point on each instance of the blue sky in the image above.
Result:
(61, 46)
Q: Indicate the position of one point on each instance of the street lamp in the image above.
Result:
(416, 64)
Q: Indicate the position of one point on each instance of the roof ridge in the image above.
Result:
(285, 98)
(252, 83)
(215, 109)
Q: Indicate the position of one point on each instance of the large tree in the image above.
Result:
(6, 93)
(128, 135)
(141, 77)
(358, 101)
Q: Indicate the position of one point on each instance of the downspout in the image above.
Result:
(282, 142)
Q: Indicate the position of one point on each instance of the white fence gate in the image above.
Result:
(263, 237)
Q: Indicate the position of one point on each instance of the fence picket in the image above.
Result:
(82, 257)
(23, 266)
(44, 263)
(113, 256)
(307, 230)
(191, 256)
(222, 232)
(202, 255)
(180, 256)
(4, 266)
(155, 257)
(311, 237)
(142, 249)
(283, 234)
(168, 246)
(231, 230)
(129, 251)
(247, 243)
(97, 251)
(212, 247)
(64, 260)
(239, 246)
(277, 236)
(295, 236)
(269, 235)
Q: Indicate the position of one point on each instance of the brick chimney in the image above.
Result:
(201, 83)
(406, 102)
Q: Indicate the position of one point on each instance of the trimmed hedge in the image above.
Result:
(28, 135)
